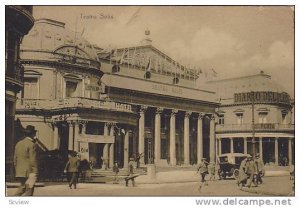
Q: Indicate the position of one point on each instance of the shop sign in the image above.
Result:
(167, 89)
(262, 96)
(264, 126)
(97, 139)
(91, 87)
(84, 150)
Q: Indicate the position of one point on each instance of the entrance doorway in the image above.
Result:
(63, 133)
(268, 150)
(95, 154)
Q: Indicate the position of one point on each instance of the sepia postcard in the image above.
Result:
(184, 101)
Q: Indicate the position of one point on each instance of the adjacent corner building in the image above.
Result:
(255, 112)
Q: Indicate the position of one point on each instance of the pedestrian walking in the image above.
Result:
(25, 162)
(251, 171)
(212, 171)
(260, 168)
(130, 174)
(116, 171)
(202, 169)
(242, 177)
(104, 163)
(72, 168)
(138, 157)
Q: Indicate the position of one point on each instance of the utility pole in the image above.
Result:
(253, 125)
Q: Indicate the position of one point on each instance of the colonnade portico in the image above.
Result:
(173, 136)
(271, 149)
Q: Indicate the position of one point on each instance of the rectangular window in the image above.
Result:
(31, 88)
(94, 128)
(262, 117)
(221, 119)
(240, 118)
(71, 87)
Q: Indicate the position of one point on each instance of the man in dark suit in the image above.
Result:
(25, 162)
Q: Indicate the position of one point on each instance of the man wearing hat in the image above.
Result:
(25, 162)
(260, 168)
(203, 170)
(251, 171)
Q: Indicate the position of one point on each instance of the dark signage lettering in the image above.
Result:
(262, 96)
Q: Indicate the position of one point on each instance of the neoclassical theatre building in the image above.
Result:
(268, 118)
(111, 105)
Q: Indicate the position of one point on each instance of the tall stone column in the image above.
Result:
(71, 141)
(290, 151)
(276, 150)
(186, 138)
(245, 145)
(231, 145)
(55, 137)
(220, 146)
(173, 138)
(105, 155)
(76, 135)
(261, 148)
(126, 148)
(106, 131)
(212, 153)
(157, 141)
(111, 147)
(200, 138)
(142, 134)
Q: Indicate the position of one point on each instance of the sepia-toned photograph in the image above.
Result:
(150, 101)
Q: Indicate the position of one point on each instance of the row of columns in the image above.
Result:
(108, 150)
(260, 148)
(157, 137)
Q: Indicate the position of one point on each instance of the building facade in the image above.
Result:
(18, 22)
(113, 105)
(255, 112)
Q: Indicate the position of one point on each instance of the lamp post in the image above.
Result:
(253, 124)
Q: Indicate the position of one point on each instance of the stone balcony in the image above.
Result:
(78, 102)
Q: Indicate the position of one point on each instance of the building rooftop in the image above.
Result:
(226, 88)
(49, 35)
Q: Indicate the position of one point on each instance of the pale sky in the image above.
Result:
(233, 40)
